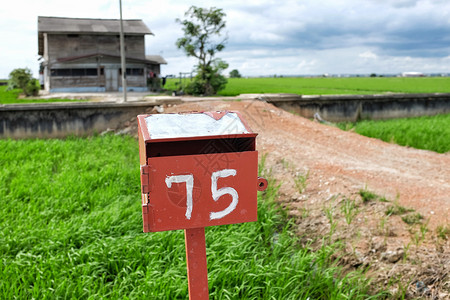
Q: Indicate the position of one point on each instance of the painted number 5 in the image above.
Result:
(216, 193)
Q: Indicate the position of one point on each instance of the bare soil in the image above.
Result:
(322, 171)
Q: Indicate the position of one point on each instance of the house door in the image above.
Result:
(111, 78)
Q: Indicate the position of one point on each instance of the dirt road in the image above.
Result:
(337, 165)
(345, 162)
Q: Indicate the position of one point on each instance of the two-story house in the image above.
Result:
(83, 55)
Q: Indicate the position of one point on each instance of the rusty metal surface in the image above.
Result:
(221, 187)
(196, 263)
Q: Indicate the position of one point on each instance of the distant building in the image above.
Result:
(83, 55)
(412, 74)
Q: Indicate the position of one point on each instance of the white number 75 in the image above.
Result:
(216, 193)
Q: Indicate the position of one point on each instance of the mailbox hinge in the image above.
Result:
(145, 217)
(145, 187)
(146, 212)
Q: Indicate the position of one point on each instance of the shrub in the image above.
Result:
(197, 86)
(23, 79)
(18, 78)
(32, 88)
(209, 80)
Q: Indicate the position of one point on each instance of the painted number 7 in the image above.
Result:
(216, 193)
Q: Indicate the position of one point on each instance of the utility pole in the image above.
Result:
(122, 57)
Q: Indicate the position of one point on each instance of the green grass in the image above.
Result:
(327, 86)
(11, 97)
(429, 132)
(71, 227)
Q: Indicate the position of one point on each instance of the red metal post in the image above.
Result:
(196, 263)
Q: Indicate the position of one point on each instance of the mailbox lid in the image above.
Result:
(193, 126)
(168, 203)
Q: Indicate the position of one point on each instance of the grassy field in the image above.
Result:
(71, 227)
(327, 86)
(429, 133)
(10, 97)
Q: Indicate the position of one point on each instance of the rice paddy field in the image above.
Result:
(330, 86)
(71, 227)
(428, 132)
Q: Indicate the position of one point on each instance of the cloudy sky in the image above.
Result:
(264, 37)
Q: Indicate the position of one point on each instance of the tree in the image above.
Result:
(235, 74)
(203, 39)
(23, 79)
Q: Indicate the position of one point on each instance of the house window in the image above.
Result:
(78, 72)
(60, 72)
(91, 72)
(133, 71)
(73, 72)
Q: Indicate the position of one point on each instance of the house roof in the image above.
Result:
(78, 25)
(101, 55)
(157, 59)
(95, 26)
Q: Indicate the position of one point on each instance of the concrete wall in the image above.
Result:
(58, 120)
(359, 107)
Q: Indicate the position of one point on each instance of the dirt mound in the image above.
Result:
(340, 186)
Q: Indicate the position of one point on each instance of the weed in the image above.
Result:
(383, 199)
(329, 213)
(300, 182)
(419, 236)
(412, 219)
(443, 232)
(397, 209)
(401, 291)
(367, 195)
(349, 209)
(285, 163)
(383, 229)
(262, 170)
(416, 238)
(382, 224)
(424, 229)
(406, 252)
(304, 212)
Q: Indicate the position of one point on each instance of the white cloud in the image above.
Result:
(368, 55)
(265, 37)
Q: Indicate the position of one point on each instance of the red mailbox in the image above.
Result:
(197, 170)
